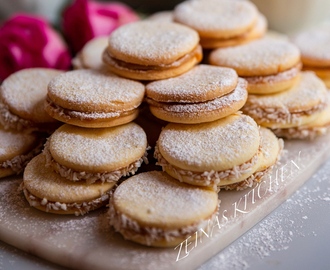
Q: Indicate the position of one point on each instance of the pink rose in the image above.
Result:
(84, 20)
(29, 41)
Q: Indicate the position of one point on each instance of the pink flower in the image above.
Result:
(30, 41)
(84, 20)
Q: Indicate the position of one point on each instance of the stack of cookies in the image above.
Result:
(291, 102)
(24, 124)
(97, 145)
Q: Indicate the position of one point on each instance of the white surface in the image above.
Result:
(293, 235)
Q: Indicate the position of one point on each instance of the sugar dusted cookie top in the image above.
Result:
(156, 199)
(202, 83)
(24, 93)
(314, 45)
(262, 57)
(152, 43)
(95, 91)
(217, 145)
(217, 18)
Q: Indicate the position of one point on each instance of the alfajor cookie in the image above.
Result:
(221, 23)
(318, 127)
(152, 50)
(210, 153)
(94, 99)
(47, 191)
(90, 56)
(103, 154)
(304, 102)
(269, 65)
(16, 150)
(203, 94)
(269, 155)
(154, 209)
(22, 97)
(314, 47)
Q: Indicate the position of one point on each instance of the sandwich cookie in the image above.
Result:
(270, 153)
(209, 153)
(221, 23)
(90, 56)
(47, 191)
(311, 130)
(314, 47)
(299, 105)
(22, 97)
(203, 94)
(16, 150)
(154, 209)
(163, 16)
(269, 65)
(105, 154)
(152, 50)
(93, 99)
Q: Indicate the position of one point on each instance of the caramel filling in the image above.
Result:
(111, 60)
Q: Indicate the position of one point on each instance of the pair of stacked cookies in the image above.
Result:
(291, 102)
(96, 147)
(24, 125)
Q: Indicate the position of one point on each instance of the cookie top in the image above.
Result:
(217, 18)
(24, 93)
(202, 83)
(95, 91)
(155, 199)
(307, 93)
(14, 143)
(217, 145)
(90, 55)
(152, 42)
(266, 56)
(42, 182)
(314, 46)
(97, 150)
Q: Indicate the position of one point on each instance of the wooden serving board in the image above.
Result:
(88, 242)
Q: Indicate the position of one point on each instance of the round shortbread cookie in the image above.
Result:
(90, 56)
(193, 113)
(311, 130)
(154, 209)
(270, 153)
(163, 16)
(322, 73)
(298, 105)
(217, 18)
(92, 98)
(314, 46)
(201, 83)
(103, 154)
(46, 190)
(16, 150)
(152, 50)
(204, 154)
(262, 57)
(257, 31)
(22, 97)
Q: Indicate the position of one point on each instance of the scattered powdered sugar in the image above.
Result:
(214, 18)
(279, 231)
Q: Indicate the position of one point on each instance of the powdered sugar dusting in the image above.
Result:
(218, 18)
(216, 146)
(265, 56)
(92, 149)
(94, 91)
(202, 83)
(152, 42)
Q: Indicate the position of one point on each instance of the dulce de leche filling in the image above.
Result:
(209, 178)
(91, 177)
(111, 60)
